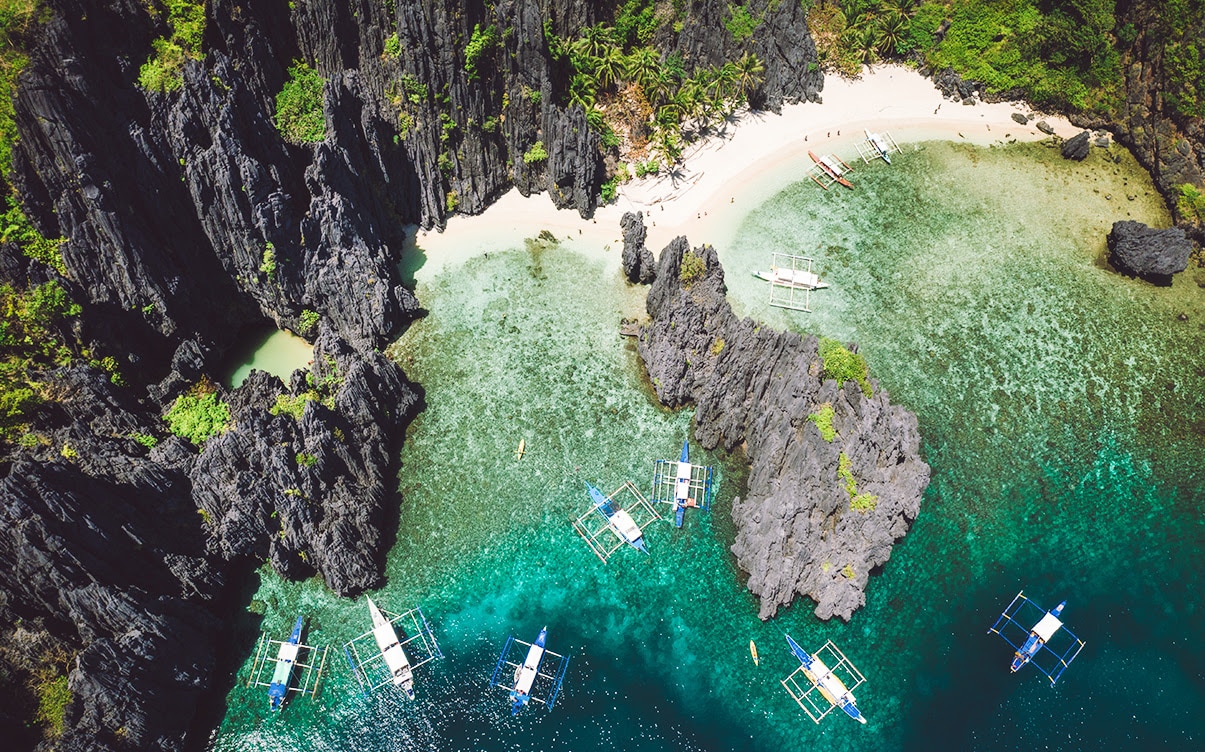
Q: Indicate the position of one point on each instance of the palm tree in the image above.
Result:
(609, 67)
(749, 73)
(581, 90)
(595, 41)
(891, 32)
(642, 66)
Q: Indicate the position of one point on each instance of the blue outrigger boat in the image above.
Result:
(682, 485)
(1036, 641)
(619, 520)
(830, 685)
(286, 658)
(523, 688)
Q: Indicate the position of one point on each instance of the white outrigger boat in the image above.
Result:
(834, 680)
(791, 281)
(607, 526)
(681, 484)
(877, 146)
(292, 662)
(803, 279)
(523, 687)
(389, 662)
(391, 650)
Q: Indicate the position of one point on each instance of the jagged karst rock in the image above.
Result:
(1077, 147)
(309, 495)
(796, 531)
(105, 550)
(638, 264)
(1152, 254)
(1020, 117)
(1044, 127)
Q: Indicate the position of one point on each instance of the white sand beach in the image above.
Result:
(729, 174)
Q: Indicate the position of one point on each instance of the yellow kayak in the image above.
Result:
(522, 449)
(753, 652)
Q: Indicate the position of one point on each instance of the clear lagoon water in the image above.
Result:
(276, 351)
(1061, 408)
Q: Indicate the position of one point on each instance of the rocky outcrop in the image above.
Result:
(798, 532)
(1077, 147)
(306, 487)
(638, 263)
(1154, 255)
(101, 547)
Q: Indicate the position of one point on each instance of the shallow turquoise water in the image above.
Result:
(277, 352)
(1061, 412)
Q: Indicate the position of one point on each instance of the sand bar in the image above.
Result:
(729, 174)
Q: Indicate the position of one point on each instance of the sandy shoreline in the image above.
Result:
(727, 175)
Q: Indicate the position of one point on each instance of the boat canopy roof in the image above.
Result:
(1048, 625)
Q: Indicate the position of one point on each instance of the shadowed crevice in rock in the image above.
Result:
(796, 531)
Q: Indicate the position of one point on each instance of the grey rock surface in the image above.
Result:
(1078, 146)
(796, 531)
(1152, 254)
(638, 263)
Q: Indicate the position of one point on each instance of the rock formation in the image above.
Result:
(799, 530)
(1154, 255)
(1077, 147)
(638, 263)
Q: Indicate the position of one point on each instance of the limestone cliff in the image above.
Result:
(799, 530)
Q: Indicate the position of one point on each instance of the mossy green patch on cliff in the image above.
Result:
(16, 228)
(693, 268)
(299, 115)
(199, 415)
(481, 45)
(33, 338)
(19, 20)
(841, 365)
(823, 418)
(53, 697)
(163, 70)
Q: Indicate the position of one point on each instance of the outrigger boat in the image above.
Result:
(618, 519)
(791, 281)
(878, 146)
(682, 498)
(831, 166)
(391, 649)
(682, 484)
(803, 279)
(619, 526)
(282, 676)
(295, 669)
(825, 680)
(379, 657)
(523, 687)
(1039, 638)
(521, 450)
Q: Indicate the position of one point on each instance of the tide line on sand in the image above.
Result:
(723, 177)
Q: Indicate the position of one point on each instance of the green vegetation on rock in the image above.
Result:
(164, 70)
(841, 365)
(15, 227)
(199, 415)
(299, 115)
(1191, 203)
(823, 418)
(859, 502)
(693, 268)
(740, 23)
(53, 698)
(537, 153)
(32, 340)
(481, 45)
(307, 321)
(19, 22)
